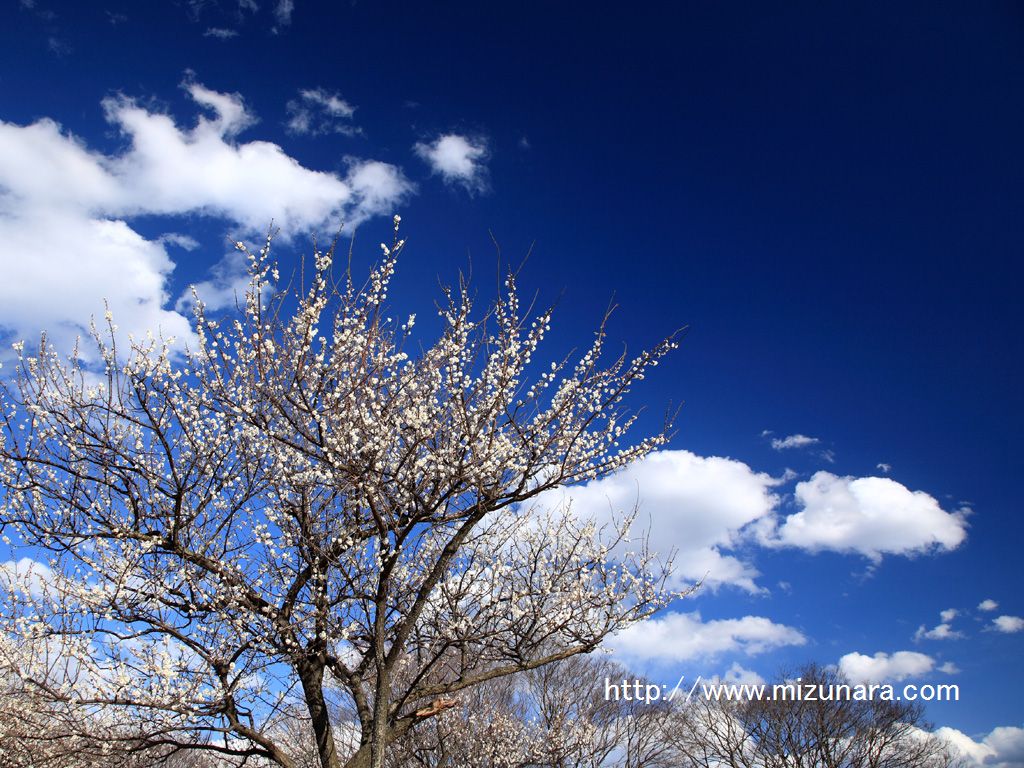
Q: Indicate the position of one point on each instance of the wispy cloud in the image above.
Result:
(317, 111)
(221, 33)
(793, 441)
(283, 12)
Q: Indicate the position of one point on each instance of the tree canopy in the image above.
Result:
(305, 500)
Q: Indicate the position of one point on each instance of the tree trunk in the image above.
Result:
(364, 755)
(312, 678)
(381, 711)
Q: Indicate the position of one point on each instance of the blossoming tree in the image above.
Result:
(299, 504)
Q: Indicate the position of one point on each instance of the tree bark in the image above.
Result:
(365, 754)
(381, 710)
(312, 677)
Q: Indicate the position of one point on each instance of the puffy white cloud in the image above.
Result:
(793, 441)
(938, 632)
(949, 614)
(66, 241)
(693, 505)
(317, 111)
(884, 667)
(710, 510)
(678, 636)
(1008, 624)
(949, 668)
(872, 516)
(1003, 747)
(457, 159)
(988, 605)
(738, 675)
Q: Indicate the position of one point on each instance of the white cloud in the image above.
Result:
(283, 12)
(66, 241)
(949, 668)
(886, 468)
(793, 441)
(226, 285)
(943, 631)
(1003, 747)
(1008, 624)
(707, 509)
(738, 675)
(872, 516)
(458, 159)
(25, 576)
(938, 632)
(988, 605)
(685, 636)
(882, 667)
(185, 242)
(221, 33)
(317, 112)
(689, 504)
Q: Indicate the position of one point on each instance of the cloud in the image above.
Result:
(949, 668)
(872, 516)
(939, 632)
(885, 468)
(227, 285)
(25, 576)
(693, 505)
(458, 160)
(710, 511)
(66, 241)
(283, 12)
(943, 631)
(221, 33)
(317, 112)
(678, 637)
(1007, 745)
(738, 675)
(882, 667)
(988, 605)
(793, 441)
(1008, 624)
(1003, 747)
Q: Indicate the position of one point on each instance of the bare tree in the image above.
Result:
(556, 716)
(831, 729)
(299, 500)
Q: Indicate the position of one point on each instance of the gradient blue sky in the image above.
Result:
(830, 196)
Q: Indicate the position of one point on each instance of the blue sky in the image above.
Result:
(829, 197)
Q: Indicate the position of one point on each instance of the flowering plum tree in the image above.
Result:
(297, 503)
